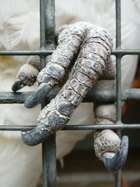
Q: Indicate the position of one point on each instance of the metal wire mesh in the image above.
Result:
(47, 45)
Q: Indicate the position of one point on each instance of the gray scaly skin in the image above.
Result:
(107, 144)
(27, 73)
(89, 48)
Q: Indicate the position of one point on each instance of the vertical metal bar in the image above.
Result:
(42, 30)
(50, 24)
(118, 78)
(118, 23)
(47, 33)
(49, 162)
(118, 59)
(42, 24)
(118, 179)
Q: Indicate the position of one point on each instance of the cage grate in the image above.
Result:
(47, 45)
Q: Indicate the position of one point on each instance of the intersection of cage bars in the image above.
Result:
(47, 45)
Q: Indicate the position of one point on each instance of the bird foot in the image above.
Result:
(110, 149)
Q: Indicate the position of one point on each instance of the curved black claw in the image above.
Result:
(38, 96)
(35, 136)
(18, 84)
(117, 161)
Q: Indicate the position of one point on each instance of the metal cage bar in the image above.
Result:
(47, 41)
(118, 78)
(47, 29)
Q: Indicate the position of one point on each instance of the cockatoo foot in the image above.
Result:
(36, 136)
(38, 96)
(90, 47)
(110, 149)
(18, 84)
(27, 73)
(116, 162)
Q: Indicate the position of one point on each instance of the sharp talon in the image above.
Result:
(35, 136)
(38, 96)
(118, 160)
(18, 84)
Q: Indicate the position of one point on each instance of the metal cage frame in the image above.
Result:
(47, 45)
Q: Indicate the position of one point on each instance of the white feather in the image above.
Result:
(19, 30)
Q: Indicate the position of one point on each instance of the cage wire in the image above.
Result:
(47, 45)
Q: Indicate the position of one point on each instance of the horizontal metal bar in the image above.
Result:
(125, 52)
(26, 52)
(104, 126)
(92, 95)
(72, 127)
(110, 95)
(49, 52)
(11, 97)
